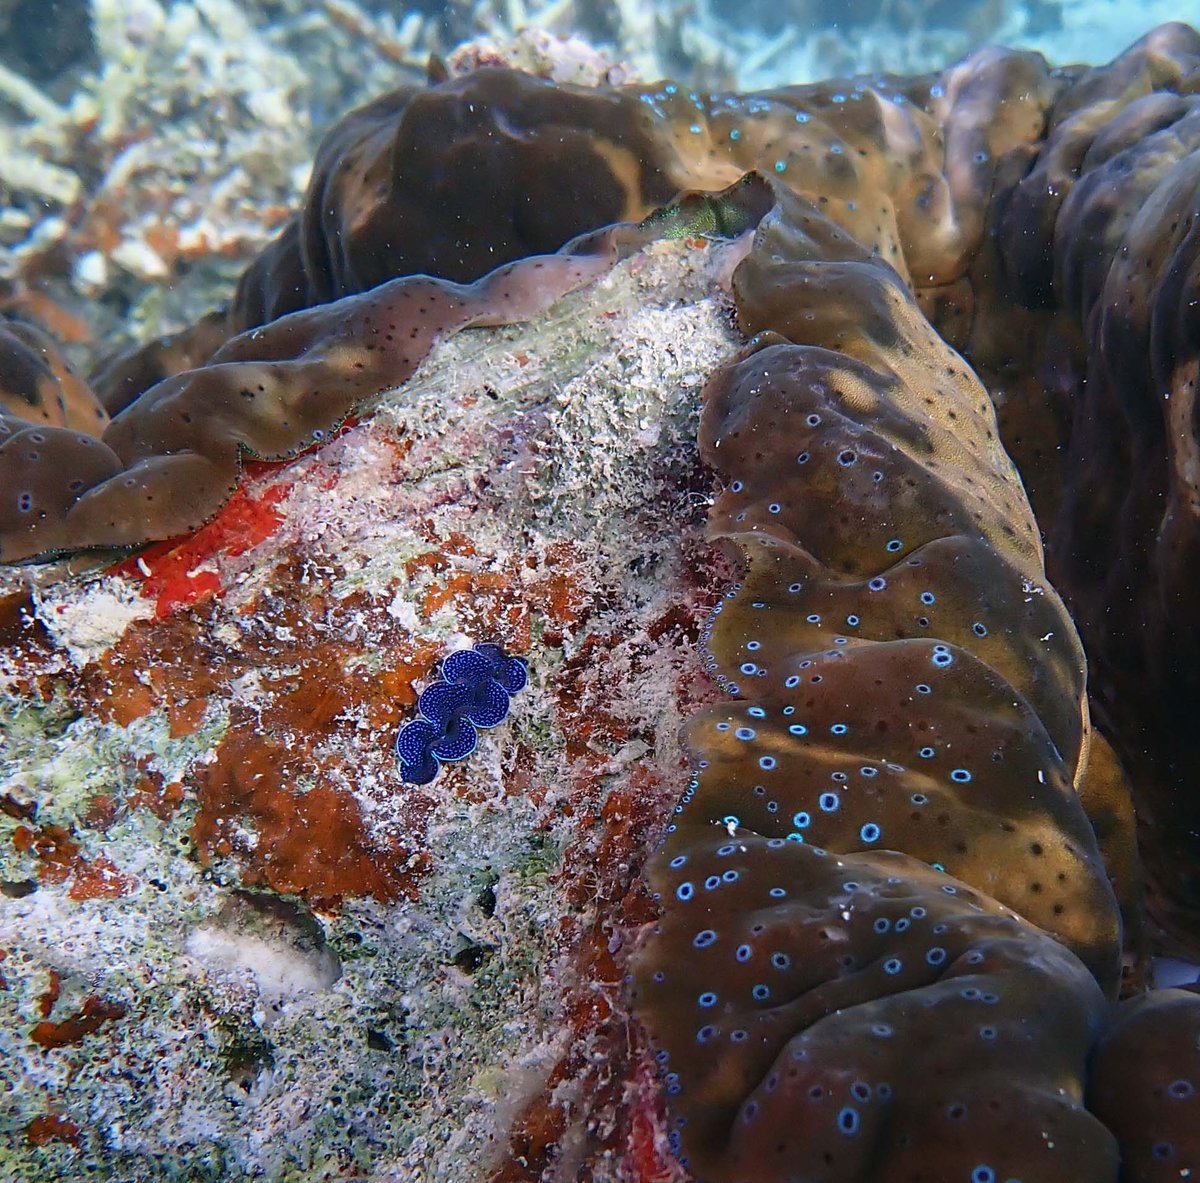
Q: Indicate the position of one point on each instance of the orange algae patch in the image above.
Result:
(502, 599)
(59, 860)
(606, 1081)
(90, 1017)
(280, 797)
(313, 843)
(606, 1078)
(53, 1127)
(50, 995)
(302, 796)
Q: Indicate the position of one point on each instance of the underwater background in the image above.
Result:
(149, 149)
(331, 815)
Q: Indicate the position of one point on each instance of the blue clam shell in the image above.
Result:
(422, 773)
(441, 702)
(414, 741)
(472, 692)
(490, 704)
(458, 742)
(514, 675)
(510, 672)
(466, 666)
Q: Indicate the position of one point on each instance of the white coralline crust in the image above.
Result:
(367, 1033)
(88, 620)
(279, 968)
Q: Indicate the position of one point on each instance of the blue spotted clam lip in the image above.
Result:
(472, 692)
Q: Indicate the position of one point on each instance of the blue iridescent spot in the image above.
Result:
(927, 597)
(757, 712)
(893, 545)
(936, 955)
(848, 1121)
(869, 833)
(707, 999)
(926, 753)
(852, 620)
(766, 763)
(704, 938)
(761, 993)
(983, 1174)
(743, 953)
(961, 775)
(839, 729)
(780, 960)
(745, 733)
(685, 891)
(893, 965)
(828, 802)
(801, 820)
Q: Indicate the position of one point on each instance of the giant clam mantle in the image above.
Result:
(892, 896)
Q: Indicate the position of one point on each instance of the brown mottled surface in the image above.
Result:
(37, 385)
(1144, 1085)
(908, 682)
(1105, 229)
